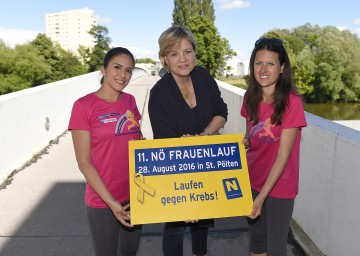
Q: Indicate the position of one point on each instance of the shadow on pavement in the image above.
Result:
(57, 226)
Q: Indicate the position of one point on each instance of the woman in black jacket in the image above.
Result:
(186, 101)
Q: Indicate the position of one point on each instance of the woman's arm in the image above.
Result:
(214, 126)
(159, 115)
(246, 139)
(82, 146)
(287, 140)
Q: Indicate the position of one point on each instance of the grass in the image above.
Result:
(238, 82)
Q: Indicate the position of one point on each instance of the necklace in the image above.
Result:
(185, 90)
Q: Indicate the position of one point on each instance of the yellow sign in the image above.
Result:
(188, 178)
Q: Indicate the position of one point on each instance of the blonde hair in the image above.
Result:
(171, 37)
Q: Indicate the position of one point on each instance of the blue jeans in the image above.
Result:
(174, 235)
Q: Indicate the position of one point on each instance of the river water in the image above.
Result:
(335, 111)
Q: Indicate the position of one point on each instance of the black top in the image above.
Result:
(171, 116)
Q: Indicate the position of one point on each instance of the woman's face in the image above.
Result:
(181, 59)
(267, 68)
(118, 72)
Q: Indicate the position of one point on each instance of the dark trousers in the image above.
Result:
(269, 232)
(110, 237)
(174, 236)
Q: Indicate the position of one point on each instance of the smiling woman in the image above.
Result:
(185, 102)
(274, 120)
(101, 124)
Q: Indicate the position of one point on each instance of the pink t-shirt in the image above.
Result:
(265, 142)
(111, 126)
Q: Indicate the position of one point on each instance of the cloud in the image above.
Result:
(357, 21)
(139, 53)
(103, 20)
(13, 37)
(143, 53)
(86, 10)
(232, 4)
(98, 18)
(341, 28)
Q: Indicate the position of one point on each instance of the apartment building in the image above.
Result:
(70, 28)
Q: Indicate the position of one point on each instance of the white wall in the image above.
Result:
(233, 96)
(24, 114)
(328, 207)
(23, 117)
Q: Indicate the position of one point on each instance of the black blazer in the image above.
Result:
(171, 116)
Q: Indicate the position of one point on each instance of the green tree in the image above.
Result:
(69, 65)
(208, 43)
(213, 51)
(146, 60)
(94, 57)
(305, 72)
(326, 62)
(185, 9)
(39, 62)
(350, 44)
(329, 59)
(2, 44)
(21, 68)
(64, 64)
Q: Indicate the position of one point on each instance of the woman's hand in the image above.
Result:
(257, 207)
(191, 221)
(246, 142)
(121, 213)
(142, 136)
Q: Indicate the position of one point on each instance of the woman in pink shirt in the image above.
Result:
(101, 125)
(274, 116)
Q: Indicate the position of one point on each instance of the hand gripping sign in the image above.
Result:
(180, 179)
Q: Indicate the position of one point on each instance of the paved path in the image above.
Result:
(42, 211)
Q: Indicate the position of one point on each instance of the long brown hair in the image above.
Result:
(284, 86)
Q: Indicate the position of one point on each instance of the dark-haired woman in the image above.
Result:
(274, 116)
(101, 125)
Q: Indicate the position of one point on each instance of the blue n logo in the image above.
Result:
(232, 188)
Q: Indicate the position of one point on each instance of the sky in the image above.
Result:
(137, 24)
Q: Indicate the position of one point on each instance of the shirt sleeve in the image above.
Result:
(160, 123)
(135, 109)
(78, 118)
(243, 111)
(294, 115)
